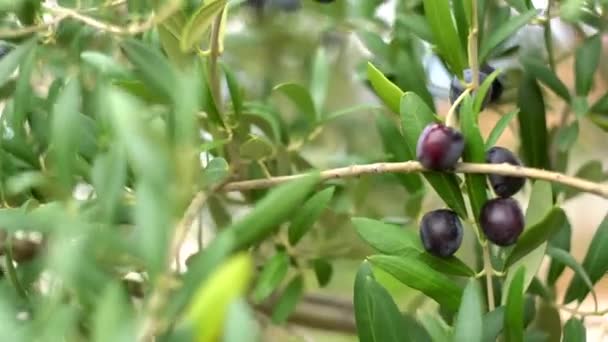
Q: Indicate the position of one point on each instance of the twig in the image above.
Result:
(488, 270)
(24, 31)
(450, 120)
(415, 167)
(473, 45)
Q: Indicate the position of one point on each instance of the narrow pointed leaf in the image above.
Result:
(499, 128)
(587, 58)
(309, 214)
(504, 32)
(542, 72)
(271, 276)
(532, 124)
(574, 331)
(514, 312)
(469, 321)
(288, 301)
(386, 90)
(200, 23)
(301, 98)
(445, 36)
(568, 260)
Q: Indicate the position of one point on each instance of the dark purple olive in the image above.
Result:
(441, 232)
(504, 186)
(497, 87)
(457, 87)
(325, 1)
(439, 147)
(502, 221)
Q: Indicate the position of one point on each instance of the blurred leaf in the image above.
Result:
(474, 152)
(574, 331)
(152, 67)
(520, 5)
(541, 72)
(199, 23)
(309, 214)
(319, 84)
(468, 325)
(436, 327)
(210, 304)
(539, 206)
(595, 263)
(323, 271)
(417, 24)
(493, 323)
(273, 209)
(415, 116)
(256, 148)
(24, 182)
(568, 260)
(216, 171)
(537, 235)
(392, 140)
(10, 62)
(502, 33)
(65, 114)
(271, 276)
(105, 65)
(560, 240)
(514, 312)
(445, 36)
(112, 319)
(236, 93)
(601, 105)
(482, 92)
(587, 57)
(348, 110)
(301, 98)
(591, 170)
(566, 136)
(109, 176)
(548, 320)
(288, 301)
(580, 106)
(219, 213)
(417, 275)
(386, 90)
(378, 317)
(462, 23)
(499, 128)
(241, 325)
(532, 124)
(23, 90)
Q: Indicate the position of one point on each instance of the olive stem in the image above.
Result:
(488, 270)
(450, 119)
(473, 45)
(415, 167)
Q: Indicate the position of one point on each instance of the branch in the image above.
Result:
(415, 167)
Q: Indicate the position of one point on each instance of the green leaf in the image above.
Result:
(417, 275)
(591, 170)
(568, 260)
(199, 24)
(417, 24)
(13, 59)
(216, 171)
(502, 33)
(560, 240)
(566, 136)
(301, 99)
(481, 93)
(468, 325)
(539, 206)
(462, 22)
(595, 263)
(436, 327)
(219, 213)
(236, 93)
(105, 65)
(586, 60)
(541, 72)
(271, 276)
(445, 36)
(154, 69)
(532, 124)
(493, 323)
(386, 238)
(548, 320)
(537, 235)
(319, 84)
(23, 90)
(574, 331)
(256, 148)
(377, 316)
(323, 271)
(241, 325)
(474, 152)
(65, 119)
(386, 90)
(415, 116)
(112, 320)
(601, 105)
(109, 176)
(309, 214)
(273, 209)
(499, 128)
(392, 140)
(288, 301)
(514, 312)
(210, 304)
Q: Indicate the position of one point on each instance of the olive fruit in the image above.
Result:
(497, 87)
(441, 232)
(457, 87)
(4, 50)
(502, 221)
(504, 186)
(325, 1)
(439, 147)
